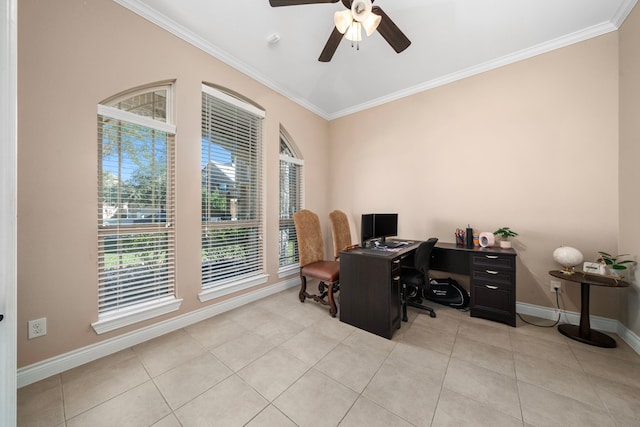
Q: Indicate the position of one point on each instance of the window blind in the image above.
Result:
(136, 188)
(290, 202)
(231, 167)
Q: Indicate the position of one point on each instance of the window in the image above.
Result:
(232, 216)
(135, 218)
(290, 202)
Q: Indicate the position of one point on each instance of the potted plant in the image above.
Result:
(614, 263)
(505, 233)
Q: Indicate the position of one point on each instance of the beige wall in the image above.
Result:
(629, 230)
(532, 146)
(72, 55)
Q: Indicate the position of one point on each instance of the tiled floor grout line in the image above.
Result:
(589, 358)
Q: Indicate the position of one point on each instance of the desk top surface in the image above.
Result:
(492, 249)
(412, 244)
(590, 279)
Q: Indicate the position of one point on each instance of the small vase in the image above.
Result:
(505, 244)
(616, 273)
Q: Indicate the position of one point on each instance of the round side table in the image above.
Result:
(583, 332)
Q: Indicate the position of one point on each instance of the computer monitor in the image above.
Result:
(366, 229)
(378, 226)
(385, 225)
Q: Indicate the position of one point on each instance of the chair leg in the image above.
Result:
(431, 311)
(303, 288)
(325, 291)
(332, 304)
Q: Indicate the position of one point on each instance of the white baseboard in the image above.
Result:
(58, 364)
(597, 322)
(55, 365)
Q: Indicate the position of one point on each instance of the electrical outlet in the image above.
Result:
(37, 328)
(556, 286)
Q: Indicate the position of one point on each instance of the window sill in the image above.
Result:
(227, 288)
(129, 316)
(288, 270)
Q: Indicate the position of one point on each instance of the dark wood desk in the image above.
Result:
(370, 283)
(370, 288)
(492, 278)
(583, 332)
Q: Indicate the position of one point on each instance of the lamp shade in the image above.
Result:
(343, 20)
(568, 257)
(354, 32)
(371, 23)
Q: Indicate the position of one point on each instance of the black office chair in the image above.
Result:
(414, 280)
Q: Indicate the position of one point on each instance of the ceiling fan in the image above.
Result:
(349, 24)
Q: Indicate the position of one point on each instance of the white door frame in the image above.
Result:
(8, 209)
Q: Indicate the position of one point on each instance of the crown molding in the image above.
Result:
(180, 31)
(190, 37)
(560, 42)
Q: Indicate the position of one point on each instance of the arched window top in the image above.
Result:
(287, 146)
(152, 102)
(233, 98)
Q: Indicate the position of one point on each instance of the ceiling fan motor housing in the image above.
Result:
(361, 9)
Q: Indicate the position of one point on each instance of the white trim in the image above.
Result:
(190, 37)
(55, 365)
(8, 209)
(629, 337)
(120, 318)
(118, 114)
(623, 11)
(596, 322)
(289, 159)
(238, 103)
(560, 42)
(289, 270)
(236, 285)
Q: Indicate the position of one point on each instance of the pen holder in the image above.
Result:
(468, 237)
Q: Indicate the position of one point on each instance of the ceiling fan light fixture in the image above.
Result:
(371, 23)
(354, 32)
(361, 9)
(343, 20)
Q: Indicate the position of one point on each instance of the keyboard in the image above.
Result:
(393, 244)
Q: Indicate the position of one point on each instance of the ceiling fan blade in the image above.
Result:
(276, 3)
(390, 31)
(347, 3)
(331, 46)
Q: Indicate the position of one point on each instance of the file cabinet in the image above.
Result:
(493, 286)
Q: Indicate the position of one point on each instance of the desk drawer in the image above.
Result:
(493, 261)
(500, 277)
(493, 302)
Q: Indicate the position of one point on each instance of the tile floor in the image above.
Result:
(278, 362)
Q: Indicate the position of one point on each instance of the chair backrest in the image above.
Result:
(309, 235)
(422, 257)
(340, 231)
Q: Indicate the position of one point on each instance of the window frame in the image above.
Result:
(235, 283)
(294, 159)
(109, 320)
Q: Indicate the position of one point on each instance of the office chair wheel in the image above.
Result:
(432, 314)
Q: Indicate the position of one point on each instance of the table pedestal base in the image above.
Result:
(592, 336)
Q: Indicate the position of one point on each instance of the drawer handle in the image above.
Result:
(396, 278)
(491, 272)
(491, 256)
(396, 261)
(491, 287)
